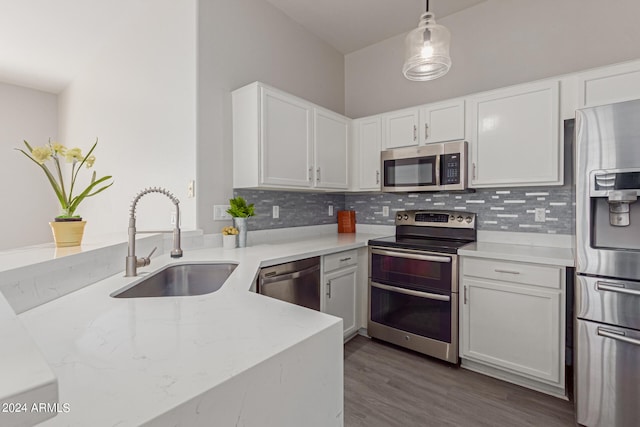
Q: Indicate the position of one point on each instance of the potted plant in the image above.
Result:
(240, 211)
(229, 237)
(67, 227)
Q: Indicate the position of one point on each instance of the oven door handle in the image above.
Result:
(411, 292)
(434, 258)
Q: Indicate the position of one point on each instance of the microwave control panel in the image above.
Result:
(451, 169)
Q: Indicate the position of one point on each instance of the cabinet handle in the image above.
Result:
(415, 132)
(377, 177)
(329, 289)
(345, 259)
(310, 174)
(318, 174)
(474, 170)
(497, 270)
(465, 294)
(426, 131)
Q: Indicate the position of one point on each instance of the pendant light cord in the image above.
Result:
(427, 6)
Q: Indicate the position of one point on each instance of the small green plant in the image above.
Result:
(239, 208)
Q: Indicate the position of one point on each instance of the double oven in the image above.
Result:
(413, 281)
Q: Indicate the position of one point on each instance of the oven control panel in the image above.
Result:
(452, 219)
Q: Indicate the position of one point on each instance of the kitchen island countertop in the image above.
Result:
(130, 361)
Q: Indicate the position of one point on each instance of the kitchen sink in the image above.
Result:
(180, 280)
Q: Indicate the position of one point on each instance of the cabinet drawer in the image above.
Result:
(528, 274)
(340, 259)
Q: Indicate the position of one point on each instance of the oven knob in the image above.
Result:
(459, 218)
(468, 219)
(407, 338)
(406, 217)
(399, 217)
(451, 218)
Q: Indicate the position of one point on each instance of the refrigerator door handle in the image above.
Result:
(619, 336)
(616, 287)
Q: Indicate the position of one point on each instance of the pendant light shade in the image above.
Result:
(427, 50)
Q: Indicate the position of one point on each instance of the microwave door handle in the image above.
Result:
(438, 170)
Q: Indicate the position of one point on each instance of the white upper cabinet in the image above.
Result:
(286, 140)
(331, 156)
(281, 141)
(514, 136)
(401, 128)
(442, 121)
(611, 84)
(367, 147)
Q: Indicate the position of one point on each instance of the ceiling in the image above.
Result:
(44, 43)
(349, 25)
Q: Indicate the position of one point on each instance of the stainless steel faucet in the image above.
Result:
(133, 262)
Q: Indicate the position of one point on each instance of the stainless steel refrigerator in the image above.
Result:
(608, 265)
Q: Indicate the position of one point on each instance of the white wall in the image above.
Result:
(241, 42)
(498, 43)
(28, 202)
(139, 98)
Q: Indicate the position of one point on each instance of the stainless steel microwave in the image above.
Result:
(432, 167)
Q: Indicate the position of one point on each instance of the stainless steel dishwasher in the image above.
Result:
(297, 282)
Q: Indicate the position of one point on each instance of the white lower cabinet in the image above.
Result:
(339, 283)
(512, 322)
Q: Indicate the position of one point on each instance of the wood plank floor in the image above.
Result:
(386, 386)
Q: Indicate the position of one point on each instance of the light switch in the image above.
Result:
(276, 212)
(330, 210)
(220, 212)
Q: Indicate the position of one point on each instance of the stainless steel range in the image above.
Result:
(413, 281)
(608, 265)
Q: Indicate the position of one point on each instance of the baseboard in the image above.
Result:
(480, 368)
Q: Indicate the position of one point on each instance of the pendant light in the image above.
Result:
(427, 50)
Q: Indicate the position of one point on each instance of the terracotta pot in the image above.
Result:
(67, 233)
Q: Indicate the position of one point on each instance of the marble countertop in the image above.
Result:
(522, 253)
(130, 360)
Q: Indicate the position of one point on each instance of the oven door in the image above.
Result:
(416, 270)
(412, 301)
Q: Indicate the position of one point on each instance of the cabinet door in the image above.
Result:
(401, 128)
(340, 297)
(443, 121)
(330, 142)
(607, 85)
(369, 147)
(286, 156)
(512, 326)
(514, 136)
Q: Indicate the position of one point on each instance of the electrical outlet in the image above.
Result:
(330, 210)
(385, 211)
(276, 212)
(220, 212)
(541, 215)
(191, 189)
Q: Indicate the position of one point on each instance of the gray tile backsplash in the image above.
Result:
(297, 209)
(497, 209)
